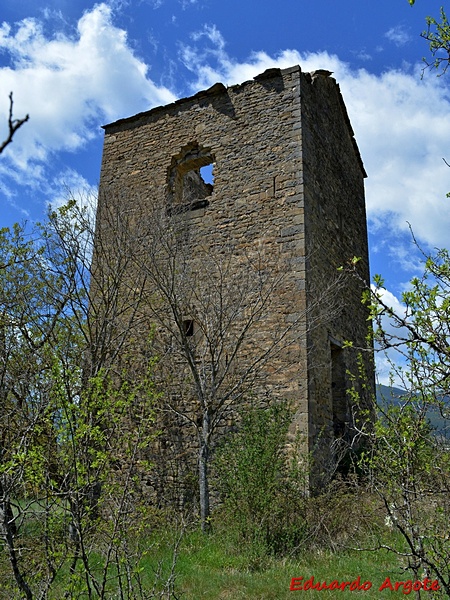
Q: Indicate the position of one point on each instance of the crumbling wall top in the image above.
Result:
(216, 89)
(319, 77)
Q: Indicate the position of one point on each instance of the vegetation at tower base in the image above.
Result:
(408, 463)
(71, 432)
(263, 491)
(66, 437)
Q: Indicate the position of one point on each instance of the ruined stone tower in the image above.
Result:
(284, 207)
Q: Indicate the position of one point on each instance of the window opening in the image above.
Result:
(190, 179)
(207, 174)
(195, 189)
(188, 325)
(338, 391)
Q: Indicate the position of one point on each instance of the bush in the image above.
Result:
(260, 487)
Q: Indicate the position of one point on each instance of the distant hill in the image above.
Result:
(391, 395)
(387, 394)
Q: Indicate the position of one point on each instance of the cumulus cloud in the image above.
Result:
(72, 82)
(400, 121)
(69, 84)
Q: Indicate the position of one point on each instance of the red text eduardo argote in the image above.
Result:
(300, 584)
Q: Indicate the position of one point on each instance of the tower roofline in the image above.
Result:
(216, 89)
(219, 88)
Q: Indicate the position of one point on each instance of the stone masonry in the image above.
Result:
(288, 186)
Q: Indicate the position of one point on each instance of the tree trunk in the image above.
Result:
(203, 464)
(8, 532)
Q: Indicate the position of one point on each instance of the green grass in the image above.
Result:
(218, 567)
(212, 567)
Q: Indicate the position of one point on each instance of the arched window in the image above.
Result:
(190, 179)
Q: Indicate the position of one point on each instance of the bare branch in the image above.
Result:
(13, 124)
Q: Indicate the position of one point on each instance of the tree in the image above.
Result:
(70, 498)
(437, 35)
(13, 125)
(263, 493)
(408, 460)
(422, 331)
(409, 469)
(207, 306)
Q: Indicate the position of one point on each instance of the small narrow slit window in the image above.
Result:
(188, 325)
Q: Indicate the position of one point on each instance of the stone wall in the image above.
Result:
(335, 233)
(286, 208)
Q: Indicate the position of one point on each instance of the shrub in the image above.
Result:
(260, 486)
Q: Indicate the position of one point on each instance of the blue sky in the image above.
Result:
(74, 65)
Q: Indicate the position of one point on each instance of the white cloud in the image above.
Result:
(390, 362)
(70, 185)
(400, 121)
(187, 3)
(406, 254)
(69, 85)
(398, 35)
(392, 301)
(364, 55)
(402, 129)
(385, 374)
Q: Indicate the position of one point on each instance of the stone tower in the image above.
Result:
(286, 192)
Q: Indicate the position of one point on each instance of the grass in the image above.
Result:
(218, 567)
(212, 567)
